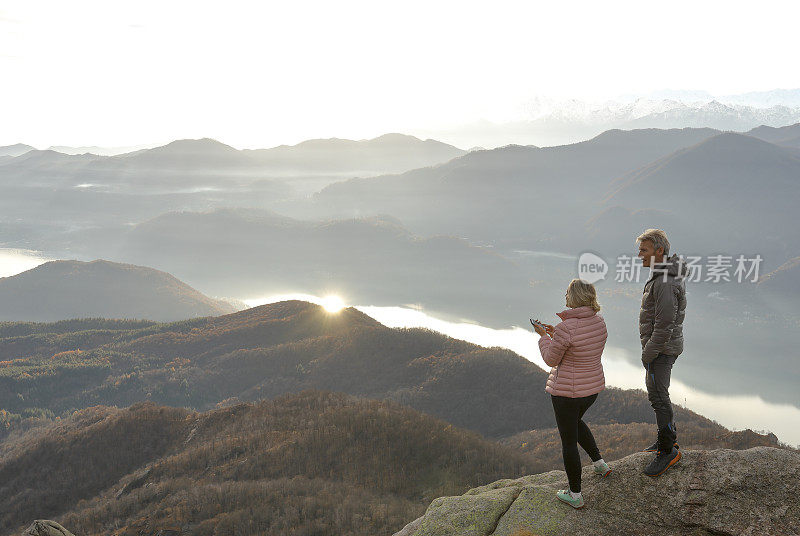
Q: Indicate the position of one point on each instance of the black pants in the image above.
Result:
(569, 413)
(657, 381)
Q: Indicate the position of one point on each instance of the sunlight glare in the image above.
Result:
(332, 304)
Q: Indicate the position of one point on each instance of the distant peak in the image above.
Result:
(96, 263)
(43, 155)
(396, 136)
(202, 144)
(16, 149)
(716, 105)
(735, 139)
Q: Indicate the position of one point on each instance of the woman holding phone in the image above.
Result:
(574, 348)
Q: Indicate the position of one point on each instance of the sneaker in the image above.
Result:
(662, 462)
(604, 470)
(565, 496)
(654, 447)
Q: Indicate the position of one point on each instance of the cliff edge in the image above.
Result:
(709, 492)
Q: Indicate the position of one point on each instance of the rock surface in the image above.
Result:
(712, 492)
(44, 527)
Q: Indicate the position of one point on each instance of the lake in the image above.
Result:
(14, 261)
(621, 367)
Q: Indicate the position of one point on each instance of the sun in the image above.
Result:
(332, 304)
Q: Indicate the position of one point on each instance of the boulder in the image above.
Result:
(45, 527)
(709, 492)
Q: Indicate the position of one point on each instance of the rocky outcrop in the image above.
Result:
(715, 492)
(44, 527)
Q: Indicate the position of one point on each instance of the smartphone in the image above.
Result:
(535, 323)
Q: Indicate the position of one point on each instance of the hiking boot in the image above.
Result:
(654, 447)
(663, 461)
(565, 496)
(666, 435)
(603, 470)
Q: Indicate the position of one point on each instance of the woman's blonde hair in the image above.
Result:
(580, 293)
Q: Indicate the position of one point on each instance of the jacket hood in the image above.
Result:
(675, 265)
(584, 311)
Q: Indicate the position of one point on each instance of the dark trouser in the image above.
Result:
(573, 431)
(657, 381)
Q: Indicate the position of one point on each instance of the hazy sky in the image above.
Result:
(257, 74)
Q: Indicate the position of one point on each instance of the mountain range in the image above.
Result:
(464, 196)
(744, 186)
(44, 194)
(230, 420)
(309, 461)
(254, 253)
(788, 136)
(132, 403)
(487, 236)
(100, 151)
(547, 121)
(271, 350)
(181, 159)
(303, 462)
(15, 150)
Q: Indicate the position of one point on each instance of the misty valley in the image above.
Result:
(262, 320)
(363, 268)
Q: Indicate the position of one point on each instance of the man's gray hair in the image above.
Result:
(657, 237)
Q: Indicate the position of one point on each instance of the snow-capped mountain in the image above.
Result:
(548, 121)
(744, 109)
(548, 108)
(765, 99)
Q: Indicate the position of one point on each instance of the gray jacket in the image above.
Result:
(662, 312)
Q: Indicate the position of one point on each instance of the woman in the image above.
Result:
(573, 348)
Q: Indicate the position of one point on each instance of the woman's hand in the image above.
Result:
(550, 329)
(540, 330)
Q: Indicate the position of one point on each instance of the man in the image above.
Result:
(661, 332)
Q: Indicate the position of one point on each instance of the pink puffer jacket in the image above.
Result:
(574, 352)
